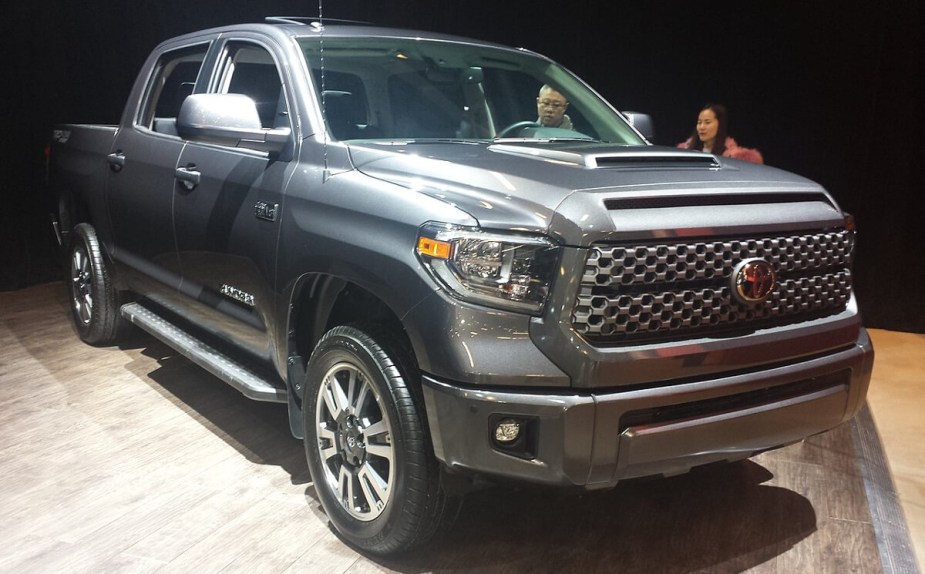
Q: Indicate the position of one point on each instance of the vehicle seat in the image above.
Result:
(343, 114)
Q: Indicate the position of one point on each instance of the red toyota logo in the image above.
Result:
(754, 280)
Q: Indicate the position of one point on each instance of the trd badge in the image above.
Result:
(237, 294)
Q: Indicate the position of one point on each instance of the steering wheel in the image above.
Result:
(516, 127)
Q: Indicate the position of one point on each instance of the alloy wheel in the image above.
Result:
(355, 441)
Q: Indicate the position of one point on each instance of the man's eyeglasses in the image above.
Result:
(551, 104)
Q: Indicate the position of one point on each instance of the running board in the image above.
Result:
(251, 385)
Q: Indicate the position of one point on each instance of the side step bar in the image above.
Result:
(251, 385)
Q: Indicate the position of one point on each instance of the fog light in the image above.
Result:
(507, 431)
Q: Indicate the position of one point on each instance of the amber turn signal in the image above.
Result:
(434, 248)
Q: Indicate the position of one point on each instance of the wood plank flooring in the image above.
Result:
(132, 459)
(895, 399)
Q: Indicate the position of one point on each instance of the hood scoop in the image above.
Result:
(628, 159)
(714, 199)
(685, 159)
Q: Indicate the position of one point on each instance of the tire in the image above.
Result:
(368, 446)
(94, 300)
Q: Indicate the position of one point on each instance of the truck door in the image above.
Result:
(227, 224)
(141, 181)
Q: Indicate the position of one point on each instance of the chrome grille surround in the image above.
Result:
(640, 291)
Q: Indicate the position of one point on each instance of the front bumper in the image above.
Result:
(594, 440)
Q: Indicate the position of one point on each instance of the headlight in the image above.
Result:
(497, 269)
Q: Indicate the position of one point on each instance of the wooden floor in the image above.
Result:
(896, 403)
(132, 459)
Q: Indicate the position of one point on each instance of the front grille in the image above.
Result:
(667, 290)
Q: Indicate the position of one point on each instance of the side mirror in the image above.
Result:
(228, 119)
(642, 123)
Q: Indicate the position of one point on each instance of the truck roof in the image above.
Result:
(305, 27)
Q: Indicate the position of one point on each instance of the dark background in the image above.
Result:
(822, 88)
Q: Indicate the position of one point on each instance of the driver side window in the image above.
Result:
(250, 70)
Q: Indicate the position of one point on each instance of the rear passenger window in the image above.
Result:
(173, 79)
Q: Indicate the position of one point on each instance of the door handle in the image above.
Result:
(116, 161)
(188, 177)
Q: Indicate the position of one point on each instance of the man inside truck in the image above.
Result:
(550, 107)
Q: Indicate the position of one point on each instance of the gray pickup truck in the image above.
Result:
(379, 228)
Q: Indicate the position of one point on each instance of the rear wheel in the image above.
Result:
(367, 444)
(94, 300)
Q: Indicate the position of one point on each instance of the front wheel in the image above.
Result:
(367, 444)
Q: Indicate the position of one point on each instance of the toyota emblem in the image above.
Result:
(753, 280)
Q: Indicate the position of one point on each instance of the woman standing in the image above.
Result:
(711, 136)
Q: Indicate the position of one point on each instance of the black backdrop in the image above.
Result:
(822, 88)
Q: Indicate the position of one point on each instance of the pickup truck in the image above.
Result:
(378, 228)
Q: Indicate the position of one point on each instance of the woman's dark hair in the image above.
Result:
(719, 144)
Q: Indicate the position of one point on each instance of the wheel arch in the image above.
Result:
(321, 302)
(70, 210)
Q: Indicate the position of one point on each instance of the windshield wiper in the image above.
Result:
(546, 140)
(410, 141)
(593, 140)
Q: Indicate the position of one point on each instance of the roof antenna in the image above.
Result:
(324, 109)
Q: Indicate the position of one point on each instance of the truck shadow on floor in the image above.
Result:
(717, 518)
(720, 518)
(258, 430)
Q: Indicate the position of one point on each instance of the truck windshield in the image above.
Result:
(418, 89)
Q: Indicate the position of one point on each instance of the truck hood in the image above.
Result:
(582, 192)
